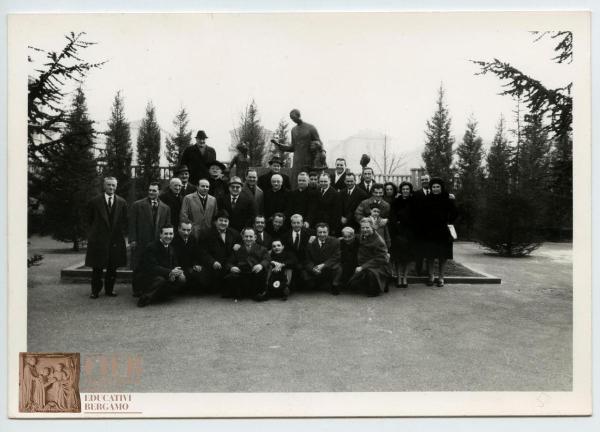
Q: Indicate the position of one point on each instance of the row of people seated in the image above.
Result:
(237, 265)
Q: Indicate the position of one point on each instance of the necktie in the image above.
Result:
(323, 192)
(233, 200)
(203, 201)
(154, 210)
(349, 192)
(109, 203)
(297, 241)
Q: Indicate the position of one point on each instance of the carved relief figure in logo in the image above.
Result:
(49, 383)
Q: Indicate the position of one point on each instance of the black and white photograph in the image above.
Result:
(304, 214)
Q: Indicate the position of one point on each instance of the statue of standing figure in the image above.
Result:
(306, 145)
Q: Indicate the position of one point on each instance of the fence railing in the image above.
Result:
(166, 172)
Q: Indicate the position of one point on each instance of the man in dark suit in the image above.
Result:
(420, 229)
(252, 190)
(247, 269)
(264, 181)
(263, 238)
(296, 241)
(239, 206)
(217, 246)
(173, 198)
(351, 197)
(276, 226)
(146, 218)
(161, 274)
(276, 197)
(302, 200)
(188, 255)
(106, 249)
(366, 180)
(197, 158)
(322, 264)
(183, 173)
(328, 207)
(339, 176)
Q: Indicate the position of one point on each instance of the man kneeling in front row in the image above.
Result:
(161, 275)
(248, 266)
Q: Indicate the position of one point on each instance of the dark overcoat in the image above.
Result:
(213, 248)
(106, 233)
(372, 257)
(328, 209)
(438, 212)
(197, 162)
(174, 202)
(143, 230)
(240, 216)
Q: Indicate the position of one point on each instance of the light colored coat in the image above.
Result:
(192, 211)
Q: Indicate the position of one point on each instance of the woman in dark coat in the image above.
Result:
(439, 211)
(402, 226)
(372, 272)
(389, 192)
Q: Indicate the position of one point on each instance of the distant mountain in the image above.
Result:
(372, 143)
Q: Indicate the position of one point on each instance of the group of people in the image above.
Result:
(267, 236)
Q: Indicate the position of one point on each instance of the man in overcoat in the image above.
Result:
(217, 246)
(275, 164)
(302, 200)
(239, 206)
(351, 197)
(339, 176)
(146, 218)
(197, 158)
(199, 208)
(189, 256)
(328, 206)
(106, 249)
(364, 208)
(173, 198)
(252, 190)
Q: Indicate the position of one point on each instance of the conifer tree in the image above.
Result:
(148, 150)
(559, 211)
(439, 141)
(251, 132)
(505, 225)
(176, 143)
(118, 145)
(69, 176)
(470, 176)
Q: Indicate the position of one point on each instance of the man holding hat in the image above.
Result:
(239, 206)
(197, 157)
(264, 181)
(183, 173)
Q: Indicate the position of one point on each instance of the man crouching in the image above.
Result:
(161, 275)
(248, 267)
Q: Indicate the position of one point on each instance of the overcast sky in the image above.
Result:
(345, 73)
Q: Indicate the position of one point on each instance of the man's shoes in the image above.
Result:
(261, 297)
(93, 295)
(143, 301)
(136, 294)
(335, 290)
(111, 294)
(440, 283)
(429, 282)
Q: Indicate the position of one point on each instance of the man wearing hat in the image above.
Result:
(239, 206)
(187, 188)
(264, 181)
(217, 247)
(218, 183)
(197, 157)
